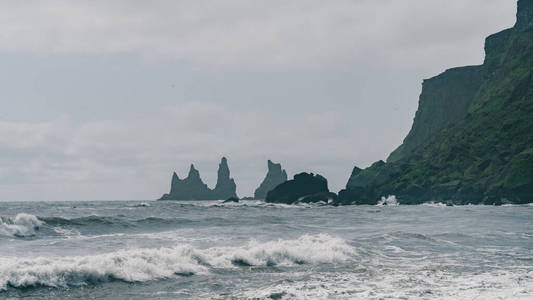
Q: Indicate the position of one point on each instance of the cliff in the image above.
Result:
(445, 99)
(193, 188)
(472, 136)
(273, 178)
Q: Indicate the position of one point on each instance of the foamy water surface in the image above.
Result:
(254, 250)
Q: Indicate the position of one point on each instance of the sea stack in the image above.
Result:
(304, 188)
(274, 177)
(193, 188)
(226, 187)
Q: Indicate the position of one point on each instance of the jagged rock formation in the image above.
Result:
(472, 137)
(304, 188)
(225, 187)
(274, 177)
(193, 188)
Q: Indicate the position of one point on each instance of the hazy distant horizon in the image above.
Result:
(103, 101)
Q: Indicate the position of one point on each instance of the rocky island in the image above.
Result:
(193, 188)
(304, 188)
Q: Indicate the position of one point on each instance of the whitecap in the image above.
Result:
(22, 225)
(434, 204)
(389, 201)
(139, 265)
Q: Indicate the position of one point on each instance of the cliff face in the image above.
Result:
(275, 176)
(445, 99)
(193, 188)
(472, 137)
(524, 17)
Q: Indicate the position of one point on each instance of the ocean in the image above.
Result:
(255, 250)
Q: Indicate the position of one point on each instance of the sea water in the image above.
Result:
(254, 250)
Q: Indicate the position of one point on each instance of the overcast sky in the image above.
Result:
(103, 100)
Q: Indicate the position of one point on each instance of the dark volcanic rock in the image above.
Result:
(274, 177)
(304, 187)
(193, 188)
(225, 187)
(190, 188)
(231, 200)
(325, 197)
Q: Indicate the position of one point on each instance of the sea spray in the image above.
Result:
(139, 265)
(389, 201)
(21, 226)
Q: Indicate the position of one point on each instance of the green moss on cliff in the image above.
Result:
(445, 99)
(472, 137)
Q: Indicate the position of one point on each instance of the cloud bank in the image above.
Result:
(133, 158)
(144, 88)
(252, 34)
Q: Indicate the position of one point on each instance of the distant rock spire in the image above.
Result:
(193, 188)
(223, 171)
(193, 173)
(225, 187)
(174, 183)
(274, 177)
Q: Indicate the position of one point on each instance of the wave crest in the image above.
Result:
(139, 265)
(22, 225)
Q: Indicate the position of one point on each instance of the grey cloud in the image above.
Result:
(316, 85)
(250, 34)
(135, 157)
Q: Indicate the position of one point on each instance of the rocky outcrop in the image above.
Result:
(225, 187)
(232, 200)
(190, 188)
(193, 188)
(472, 137)
(304, 188)
(274, 177)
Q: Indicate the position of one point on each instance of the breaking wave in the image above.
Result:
(390, 201)
(110, 221)
(22, 225)
(139, 265)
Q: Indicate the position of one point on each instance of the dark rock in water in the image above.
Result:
(190, 188)
(304, 187)
(357, 196)
(326, 197)
(226, 187)
(472, 136)
(231, 200)
(247, 198)
(274, 177)
(193, 188)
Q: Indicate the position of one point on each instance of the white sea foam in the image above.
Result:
(434, 204)
(389, 201)
(249, 203)
(137, 265)
(20, 226)
(416, 282)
